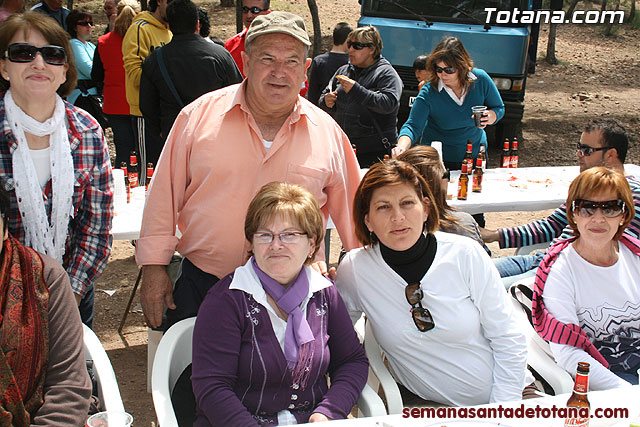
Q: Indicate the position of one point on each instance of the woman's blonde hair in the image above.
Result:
(127, 10)
(290, 201)
(600, 180)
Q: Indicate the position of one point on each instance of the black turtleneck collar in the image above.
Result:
(412, 264)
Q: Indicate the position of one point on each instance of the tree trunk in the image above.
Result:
(70, 4)
(239, 24)
(604, 5)
(143, 5)
(551, 45)
(227, 3)
(317, 31)
(572, 7)
(632, 12)
(607, 30)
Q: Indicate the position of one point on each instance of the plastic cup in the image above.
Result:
(478, 112)
(110, 419)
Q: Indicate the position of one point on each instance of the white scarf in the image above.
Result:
(40, 234)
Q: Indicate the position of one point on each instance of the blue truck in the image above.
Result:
(506, 51)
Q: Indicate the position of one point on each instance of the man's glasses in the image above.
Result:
(25, 52)
(85, 23)
(287, 238)
(587, 208)
(448, 70)
(254, 9)
(358, 45)
(421, 316)
(585, 150)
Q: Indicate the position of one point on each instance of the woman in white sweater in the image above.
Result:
(434, 300)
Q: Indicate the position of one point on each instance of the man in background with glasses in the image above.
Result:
(250, 10)
(604, 142)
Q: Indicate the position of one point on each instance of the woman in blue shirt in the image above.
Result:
(442, 110)
(80, 24)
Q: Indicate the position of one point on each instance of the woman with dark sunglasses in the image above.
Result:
(363, 96)
(53, 156)
(434, 299)
(442, 110)
(586, 298)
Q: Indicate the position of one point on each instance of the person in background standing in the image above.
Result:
(80, 24)
(324, 66)
(54, 9)
(147, 32)
(110, 11)
(420, 70)
(235, 45)
(110, 71)
(442, 110)
(9, 7)
(194, 67)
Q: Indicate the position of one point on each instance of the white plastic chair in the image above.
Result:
(174, 354)
(539, 358)
(108, 391)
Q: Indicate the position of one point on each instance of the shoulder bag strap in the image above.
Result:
(167, 79)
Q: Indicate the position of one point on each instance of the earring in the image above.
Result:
(621, 223)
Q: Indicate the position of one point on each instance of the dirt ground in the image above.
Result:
(596, 76)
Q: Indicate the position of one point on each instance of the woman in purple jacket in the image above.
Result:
(268, 334)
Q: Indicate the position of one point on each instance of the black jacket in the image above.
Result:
(195, 66)
(377, 89)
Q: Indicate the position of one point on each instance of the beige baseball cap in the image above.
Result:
(278, 22)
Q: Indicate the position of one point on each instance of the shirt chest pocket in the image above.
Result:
(81, 181)
(313, 180)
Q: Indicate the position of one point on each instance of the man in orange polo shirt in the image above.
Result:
(222, 149)
(250, 10)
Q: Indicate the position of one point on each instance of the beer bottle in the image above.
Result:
(123, 166)
(579, 398)
(505, 160)
(355, 150)
(133, 169)
(468, 156)
(514, 153)
(482, 154)
(463, 183)
(478, 173)
(149, 176)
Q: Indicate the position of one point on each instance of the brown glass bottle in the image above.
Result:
(579, 398)
(123, 166)
(505, 160)
(482, 155)
(149, 176)
(513, 162)
(478, 174)
(468, 156)
(463, 183)
(133, 170)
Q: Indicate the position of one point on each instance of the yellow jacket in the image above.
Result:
(145, 34)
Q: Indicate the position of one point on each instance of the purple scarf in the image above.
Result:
(298, 332)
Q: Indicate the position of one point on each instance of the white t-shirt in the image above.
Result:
(603, 301)
(42, 162)
(474, 355)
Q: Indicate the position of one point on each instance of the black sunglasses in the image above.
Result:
(448, 70)
(25, 52)
(421, 316)
(358, 45)
(585, 150)
(255, 10)
(85, 23)
(587, 208)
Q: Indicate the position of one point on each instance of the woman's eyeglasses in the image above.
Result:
(358, 45)
(448, 70)
(25, 52)
(585, 150)
(85, 23)
(255, 10)
(287, 238)
(421, 316)
(587, 208)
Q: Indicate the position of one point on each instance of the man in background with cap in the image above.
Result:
(222, 148)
